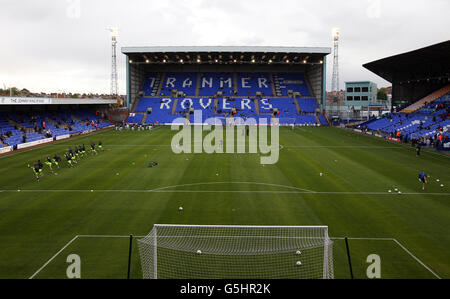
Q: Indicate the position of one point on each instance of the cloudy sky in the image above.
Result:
(63, 45)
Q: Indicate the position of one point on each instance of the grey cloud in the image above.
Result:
(52, 44)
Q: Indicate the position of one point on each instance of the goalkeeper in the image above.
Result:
(423, 178)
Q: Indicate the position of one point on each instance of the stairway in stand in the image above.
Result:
(276, 85)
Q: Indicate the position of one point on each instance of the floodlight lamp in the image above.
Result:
(114, 31)
(335, 32)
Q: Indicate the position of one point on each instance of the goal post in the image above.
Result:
(236, 252)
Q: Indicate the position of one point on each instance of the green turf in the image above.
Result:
(351, 198)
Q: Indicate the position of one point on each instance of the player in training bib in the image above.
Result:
(35, 169)
(68, 159)
(41, 166)
(56, 160)
(93, 148)
(100, 145)
(49, 163)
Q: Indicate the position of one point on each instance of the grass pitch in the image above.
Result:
(42, 223)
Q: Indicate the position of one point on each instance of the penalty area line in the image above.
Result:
(332, 238)
(53, 257)
(416, 259)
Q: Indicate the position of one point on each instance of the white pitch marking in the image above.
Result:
(414, 257)
(223, 191)
(333, 238)
(53, 257)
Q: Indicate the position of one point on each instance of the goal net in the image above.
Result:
(236, 252)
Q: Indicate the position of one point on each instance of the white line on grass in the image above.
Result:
(414, 257)
(400, 145)
(221, 191)
(367, 239)
(53, 257)
(333, 238)
(342, 146)
(108, 236)
(239, 183)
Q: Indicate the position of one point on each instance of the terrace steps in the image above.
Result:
(144, 118)
(197, 85)
(256, 106)
(174, 105)
(272, 84)
(216, 105)
(297, 105)
(158, 92)
(136, 102)
(317, 119)
(276, 85)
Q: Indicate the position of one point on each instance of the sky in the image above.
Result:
(64, 45)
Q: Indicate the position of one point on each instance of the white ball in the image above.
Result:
(217, 174)
(199, 252)
(390, 191)
(299, 263)
(442, 185)
(117, 173)
(437, 180)
(298, 252)
(396, 189)
(18, 190)
(399, 192)
(180, 208)
(321, 174)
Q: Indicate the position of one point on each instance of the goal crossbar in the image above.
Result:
(236, 251)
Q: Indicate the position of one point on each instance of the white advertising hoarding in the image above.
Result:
(33, 143)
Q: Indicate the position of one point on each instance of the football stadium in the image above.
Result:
(227, 162)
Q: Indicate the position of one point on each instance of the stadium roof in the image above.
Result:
(54, 101)
(432, 62)
(225, 54)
